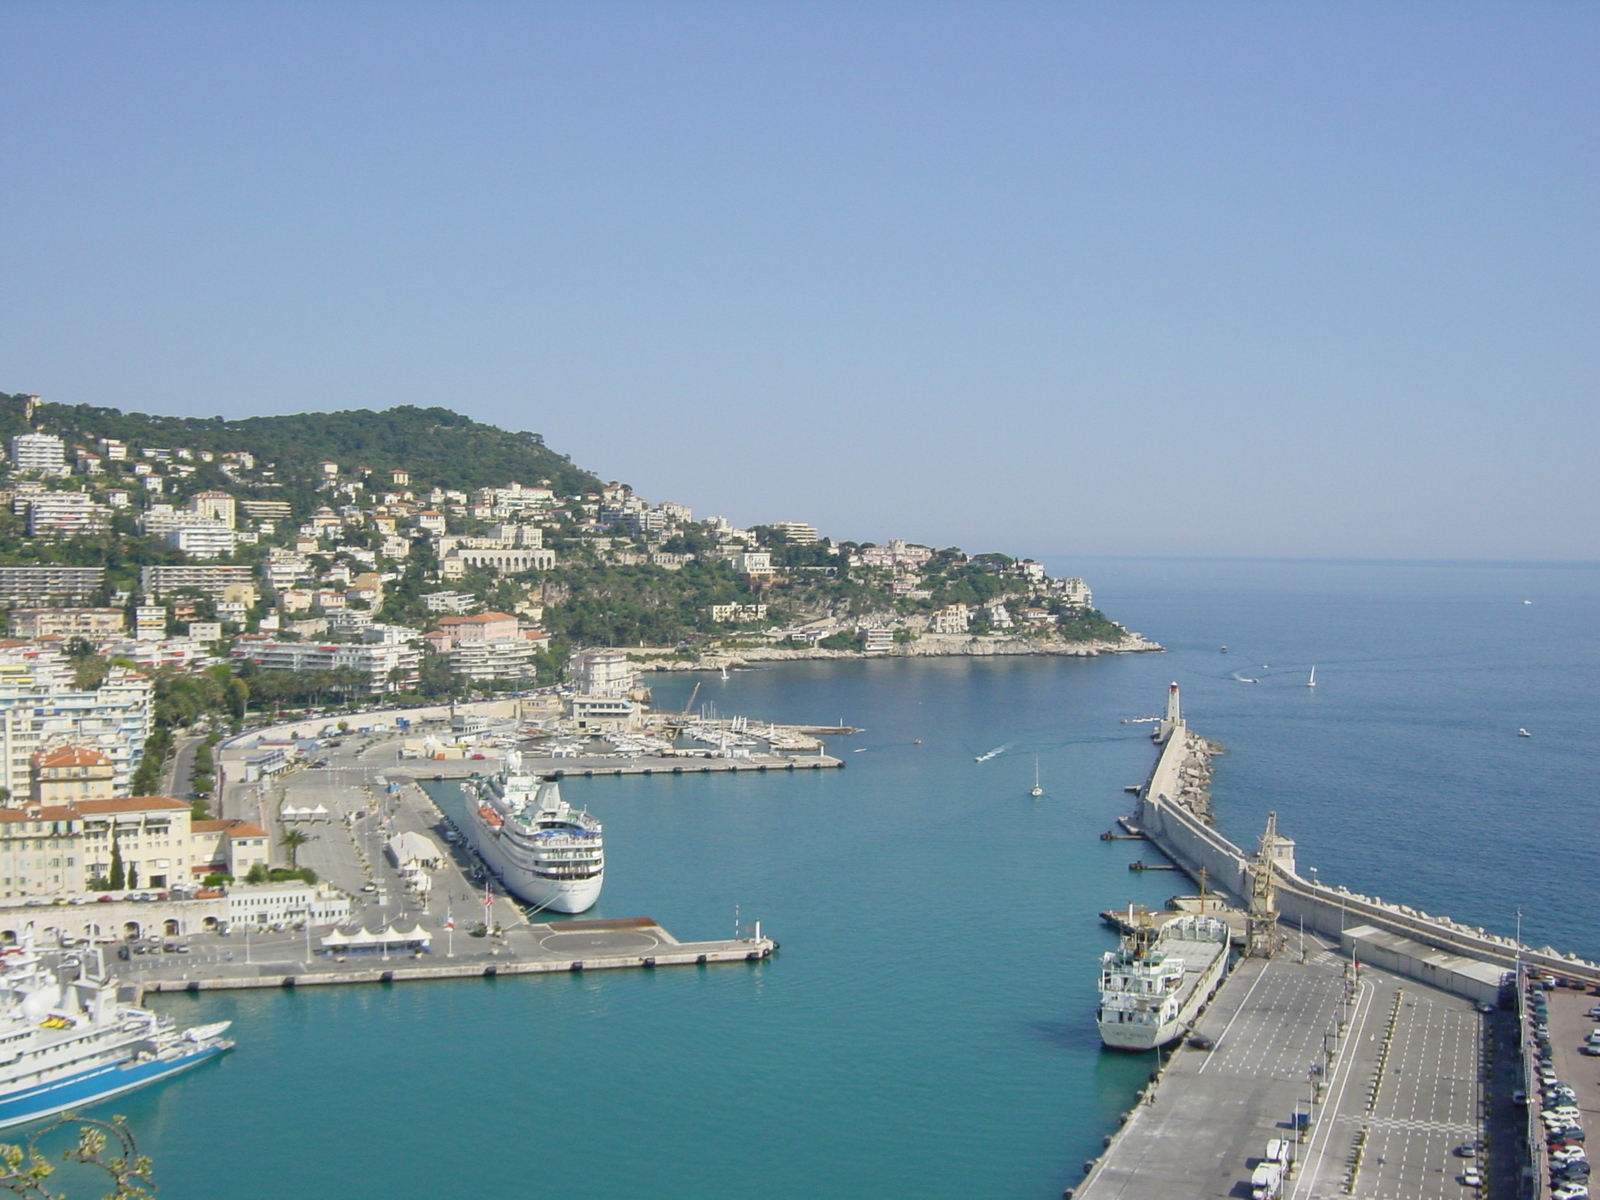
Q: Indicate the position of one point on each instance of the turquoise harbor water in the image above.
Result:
(926, 1030)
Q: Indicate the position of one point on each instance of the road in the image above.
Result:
(181, 769)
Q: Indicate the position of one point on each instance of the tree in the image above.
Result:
(291, 841)
(133, 875)
(257, 874)
(23, 1169)
(119, 878)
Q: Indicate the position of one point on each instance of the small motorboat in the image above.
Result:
(1523, 733)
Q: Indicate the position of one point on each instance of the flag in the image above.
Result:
(449, 921)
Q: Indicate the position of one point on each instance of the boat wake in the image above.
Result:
(1243, 678)
(995, 753)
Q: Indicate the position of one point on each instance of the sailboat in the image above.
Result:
(1312, 682)
(1036, 791)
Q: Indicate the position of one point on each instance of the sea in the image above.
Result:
(927, 1028)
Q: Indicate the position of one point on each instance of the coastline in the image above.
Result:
(928, 645)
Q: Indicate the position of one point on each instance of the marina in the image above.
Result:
(849, 1026)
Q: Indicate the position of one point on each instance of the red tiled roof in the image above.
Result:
(72, 756)
(232, 827)
(48, 812)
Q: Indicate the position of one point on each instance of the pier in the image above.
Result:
(569, 947)
(1364, 1048)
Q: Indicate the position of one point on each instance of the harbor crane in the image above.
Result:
(1262, 939)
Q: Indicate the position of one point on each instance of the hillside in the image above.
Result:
(438, 447)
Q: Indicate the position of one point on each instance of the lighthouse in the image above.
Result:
(1174, 717)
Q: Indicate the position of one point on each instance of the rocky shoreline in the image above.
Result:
(931, 645)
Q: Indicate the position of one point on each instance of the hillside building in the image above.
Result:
(32, 623)
(39, 453)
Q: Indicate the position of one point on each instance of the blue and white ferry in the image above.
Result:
(67, 1042)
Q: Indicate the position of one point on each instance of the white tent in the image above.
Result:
(391, 938)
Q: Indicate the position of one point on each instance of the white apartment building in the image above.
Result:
(213, 506)
(1074, 591)
(39, 707)
(66, 514)
(955, 618)
(284, 569)
(513, 499)
(450, 602)
(204, 541)
(50, 585)
(754, 562)
(797, 533)
(225, 583)
(998, 615)
(738, 612)
(34, 623)
(603, 672)
(378, 662)
(41, 452)
(898, 553)
(511, 658)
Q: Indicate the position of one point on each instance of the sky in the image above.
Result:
(1280, 279)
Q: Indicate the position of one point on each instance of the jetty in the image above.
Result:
(1356, 1050)
(567, 947)
(1174, 813)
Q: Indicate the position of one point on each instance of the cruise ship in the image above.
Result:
(546, 852)
(1155, 983)
(67, 1042)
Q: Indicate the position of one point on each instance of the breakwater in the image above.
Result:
(1184, 830)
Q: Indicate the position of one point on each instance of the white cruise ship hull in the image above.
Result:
(547, 895)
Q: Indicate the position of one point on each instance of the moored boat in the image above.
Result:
(67, 1042)
(1154, 984)
(543, 850)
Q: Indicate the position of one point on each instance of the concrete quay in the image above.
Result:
(1389, 1074)
(569, 947)
(346, 849)
(599, 766)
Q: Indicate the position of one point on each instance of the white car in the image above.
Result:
(1471, 1177)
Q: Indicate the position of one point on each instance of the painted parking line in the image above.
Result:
(1342, 1071)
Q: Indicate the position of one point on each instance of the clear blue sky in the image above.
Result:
(1170, 278)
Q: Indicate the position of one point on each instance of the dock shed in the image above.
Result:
(1469, 977)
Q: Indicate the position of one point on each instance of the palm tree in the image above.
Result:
(292, 841)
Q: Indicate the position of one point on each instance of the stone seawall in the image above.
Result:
(1193, 843)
